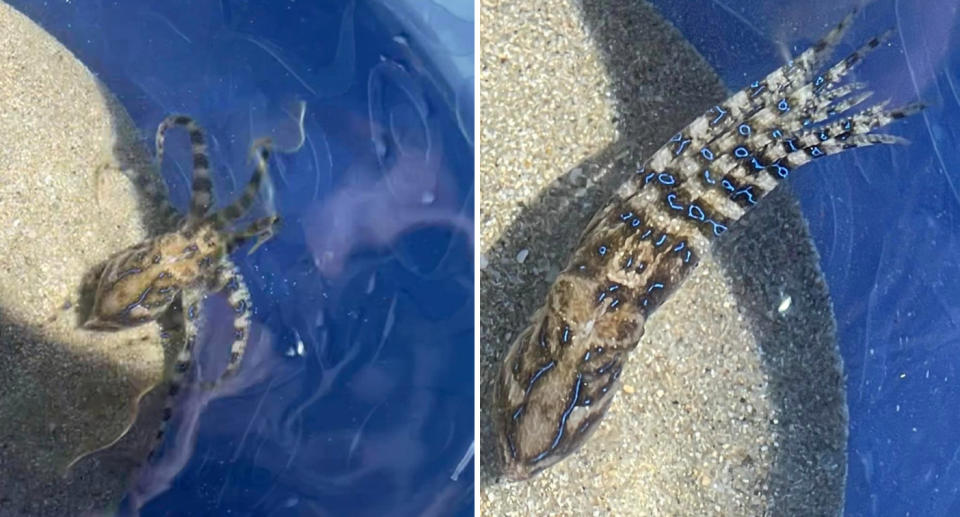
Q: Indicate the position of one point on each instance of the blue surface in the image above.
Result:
(356, 394)
(887, 224)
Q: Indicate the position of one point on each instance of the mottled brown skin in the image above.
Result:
(559, 376)
(139, 284)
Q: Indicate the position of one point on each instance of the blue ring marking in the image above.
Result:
(741, 152)
(707, 153)
(603, 295)
(626, 216)
(790, 142)
(629, 263)
(755, 84)
(666, 178)
(777, 134)
(782, 171)
(824, 136)
(744, 129)
(746, 191)
(566, 334)
(729, 186)
(816, 152)
(655, 285)
(602, 250)
(646, 234)
(660, 241)
(717, 227)
(707, 178)
(700, 215)
(649, 177)
(614, 303)
(687, 258)
(722, 113)
(670, 201)
(680, 246)
(635, 223)
(783, 105)
(613, 288)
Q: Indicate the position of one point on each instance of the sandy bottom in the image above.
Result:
(66, 204)
(733, 403)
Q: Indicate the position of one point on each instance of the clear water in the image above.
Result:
(357, 388)
(887, 224)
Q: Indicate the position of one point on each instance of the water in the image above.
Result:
(357, 388)
(886, 224)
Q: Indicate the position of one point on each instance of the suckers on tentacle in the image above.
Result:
(559, 376)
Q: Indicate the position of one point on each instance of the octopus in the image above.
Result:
(559, 376)
(164, 278)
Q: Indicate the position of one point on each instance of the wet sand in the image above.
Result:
(733, 402)
(66, 203)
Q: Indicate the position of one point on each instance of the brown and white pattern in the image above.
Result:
(561, 373)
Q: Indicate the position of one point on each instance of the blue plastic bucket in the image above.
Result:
(360, 400)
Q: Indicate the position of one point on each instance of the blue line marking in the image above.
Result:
(722, 113)
(646, 234)
(707, 178)
(671, 197)
(649, 177)
(655, 285)
(661, 240)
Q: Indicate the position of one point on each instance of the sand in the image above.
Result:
(733, 402)
(66, 203)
